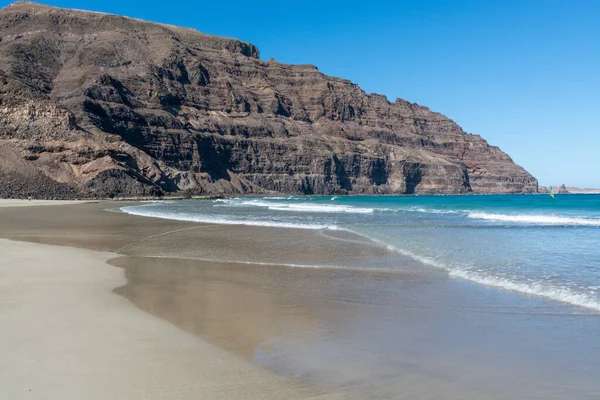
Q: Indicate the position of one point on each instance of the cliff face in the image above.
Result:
(99, 105)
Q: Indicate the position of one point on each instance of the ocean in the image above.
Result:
(387, 297)
(530, 244)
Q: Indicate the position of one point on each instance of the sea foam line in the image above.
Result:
(535, 219)
(563, 295)
(394, 249)
(536, 289)
(325, 208)
(286, 265)
(222, 221)
(300, 207)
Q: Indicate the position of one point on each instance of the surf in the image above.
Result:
(538, 289)
(539, 219)
(456, 234)
(221, 221)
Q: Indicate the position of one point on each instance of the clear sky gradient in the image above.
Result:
(523, 74)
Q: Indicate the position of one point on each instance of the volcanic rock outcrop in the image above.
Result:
(98, 105)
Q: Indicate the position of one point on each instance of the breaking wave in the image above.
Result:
(220, 220)
(300, 207)
(387, 224)
(538, 219)
(324, 207)
(539, 289)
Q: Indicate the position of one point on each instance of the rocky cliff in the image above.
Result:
(101, 105)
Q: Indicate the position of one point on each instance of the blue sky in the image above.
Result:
(524, 74)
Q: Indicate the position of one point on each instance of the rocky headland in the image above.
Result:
(98, 105)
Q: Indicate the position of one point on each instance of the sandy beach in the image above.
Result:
(326, 201)
(95, 303)
(64, 334)
(30, 203)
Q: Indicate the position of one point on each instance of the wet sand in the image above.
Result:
(65, 334)
(373, 334)
(406, 333)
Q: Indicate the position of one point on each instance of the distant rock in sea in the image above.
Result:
(98, 105)
(568, 190)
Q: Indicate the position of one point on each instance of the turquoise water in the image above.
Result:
(531, 244)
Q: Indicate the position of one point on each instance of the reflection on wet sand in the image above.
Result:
(372, 334)
(240, 307)
(217, 301)
(413, 333)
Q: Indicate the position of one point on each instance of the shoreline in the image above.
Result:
(553, 294)
(427, 334)
(78, 353)
(274, 194)
(266, 231)
(59, 307)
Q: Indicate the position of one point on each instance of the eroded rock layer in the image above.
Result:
(101, 105)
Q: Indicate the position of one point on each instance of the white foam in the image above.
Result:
(394, 249)
(421, 259)
(285, 198)
(222, 221)
(539, 219)
(301, 207)
(317, 208)
(534, 288)
(540, 289)
(267, 202)
(429, 210)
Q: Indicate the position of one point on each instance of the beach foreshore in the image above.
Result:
(65, 334)
(96, 303)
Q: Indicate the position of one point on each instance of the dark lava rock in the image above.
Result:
(94, 104)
